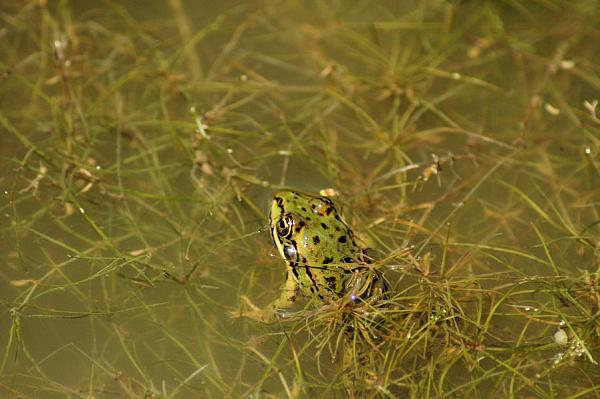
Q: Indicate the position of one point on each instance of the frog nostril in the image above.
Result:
(322, 206)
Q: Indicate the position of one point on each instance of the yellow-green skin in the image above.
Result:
(323, 259)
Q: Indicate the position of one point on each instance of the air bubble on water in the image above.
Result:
(551, 109)
(81, 210)
(567, 64)
(558, 359)
(395, 267)
(588, 150)
(561, 337)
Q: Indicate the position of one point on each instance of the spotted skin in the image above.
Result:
(322, 256)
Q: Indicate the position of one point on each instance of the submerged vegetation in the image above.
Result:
(140, 146)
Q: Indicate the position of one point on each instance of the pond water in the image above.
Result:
(141, 143)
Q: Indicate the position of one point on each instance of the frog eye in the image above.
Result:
(322, 206)
(284, 226)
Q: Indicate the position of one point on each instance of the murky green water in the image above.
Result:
(140, 145)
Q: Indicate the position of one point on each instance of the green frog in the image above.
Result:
(324, 260)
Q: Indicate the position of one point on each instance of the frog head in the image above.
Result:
(308, 230)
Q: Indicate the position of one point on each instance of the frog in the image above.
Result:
(324, 260)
